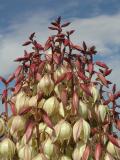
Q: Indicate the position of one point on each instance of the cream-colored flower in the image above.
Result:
(27, 152)
(46, 85)
(48, 147)
(59, 72)
(81, 130)
(7, 149)
(18, 124)
(22, 100)
(51, 105)
(63, 130)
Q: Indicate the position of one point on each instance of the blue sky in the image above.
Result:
(96, 21)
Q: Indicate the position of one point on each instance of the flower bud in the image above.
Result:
(78, 151)
(95, 93)
(33, 101)
(51, 105)
(83, 109)
(46, 85)
(18, 124)
(26, 153)
(48, 147)
(81, 130)
(113, 150)
(65, 158)
(63, 130)
(7, 149)
(101, 111)
(21, 101)
(2, 127)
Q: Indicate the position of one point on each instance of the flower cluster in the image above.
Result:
(60, 106)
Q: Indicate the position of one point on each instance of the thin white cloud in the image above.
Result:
(101, 31)
(11, 42)
(114, 63)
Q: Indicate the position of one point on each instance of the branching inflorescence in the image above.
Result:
(60, 105)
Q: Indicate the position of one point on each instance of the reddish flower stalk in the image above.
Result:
(58, 99)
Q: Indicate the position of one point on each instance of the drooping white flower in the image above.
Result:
(48, 147)
(81, 130)
(63, 130)
(22, 100)
(27, 152)
(46, 85)
(18, 124)
(51, 105)
(7, 149)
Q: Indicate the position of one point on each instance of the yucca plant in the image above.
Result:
(61, 105)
